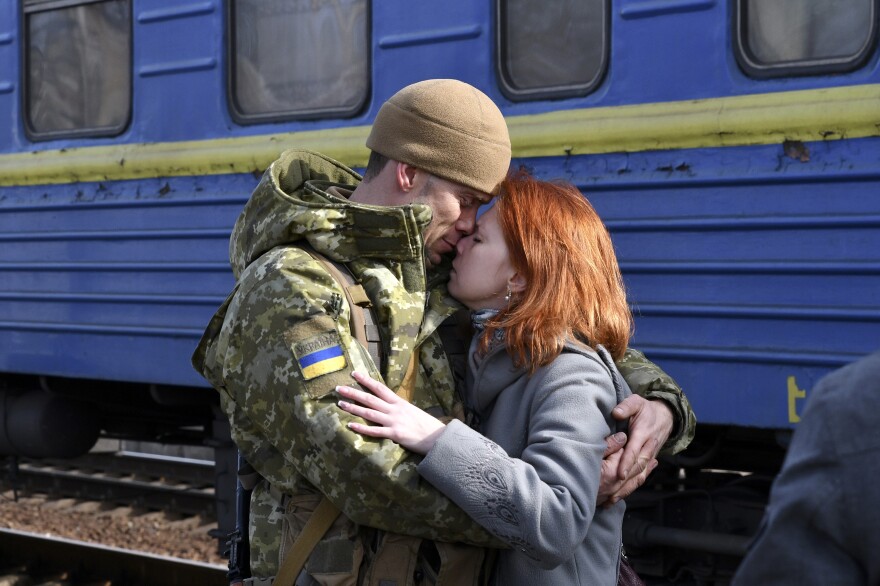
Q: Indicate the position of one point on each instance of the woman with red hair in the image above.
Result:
(548, 304)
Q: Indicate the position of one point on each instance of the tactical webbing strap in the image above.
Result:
(364, 326)
(365, 330)
(315, 528)
(363, 323)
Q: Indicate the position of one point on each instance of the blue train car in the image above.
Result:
(732, 147)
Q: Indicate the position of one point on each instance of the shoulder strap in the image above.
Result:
(365, 330)
(319, 522)
(364, 326)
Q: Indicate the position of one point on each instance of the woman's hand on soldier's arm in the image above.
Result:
(394, 418)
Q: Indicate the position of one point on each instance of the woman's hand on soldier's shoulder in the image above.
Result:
(395, 418)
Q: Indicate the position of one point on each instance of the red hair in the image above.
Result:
(573, 284)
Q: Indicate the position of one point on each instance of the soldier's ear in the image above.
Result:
(405, 175)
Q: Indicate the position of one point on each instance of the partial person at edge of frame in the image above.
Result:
(821, 525)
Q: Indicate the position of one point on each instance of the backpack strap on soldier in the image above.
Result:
(315, 528)
(365, 329)
(363, 323)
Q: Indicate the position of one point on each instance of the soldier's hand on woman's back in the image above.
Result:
(629, 460)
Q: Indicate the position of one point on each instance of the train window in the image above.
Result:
(298, 58)
(804, 37)
(77, 72)
(551, 49)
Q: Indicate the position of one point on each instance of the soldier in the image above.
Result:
(281, 343)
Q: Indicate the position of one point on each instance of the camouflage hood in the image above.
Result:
(382, 247)
(291, 203)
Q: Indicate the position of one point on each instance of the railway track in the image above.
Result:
(35, 560)
(109, 519)
(147, 481)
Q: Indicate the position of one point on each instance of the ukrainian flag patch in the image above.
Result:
(320, 360)
(319, 355)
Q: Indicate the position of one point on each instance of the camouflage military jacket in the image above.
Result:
(281, 343)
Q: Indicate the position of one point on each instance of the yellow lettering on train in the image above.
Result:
(794, 393)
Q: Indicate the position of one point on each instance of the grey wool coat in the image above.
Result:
(532, 477)
(822, 524)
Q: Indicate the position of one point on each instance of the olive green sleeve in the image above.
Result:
(648, 380)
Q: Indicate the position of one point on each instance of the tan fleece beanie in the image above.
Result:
(448, 128)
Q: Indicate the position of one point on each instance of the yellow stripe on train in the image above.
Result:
(805, 115)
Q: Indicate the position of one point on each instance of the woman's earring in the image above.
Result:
(507, 297)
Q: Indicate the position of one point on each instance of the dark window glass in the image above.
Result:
(551, 49)
(781, 37)
(299, 58)
(78, 67)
